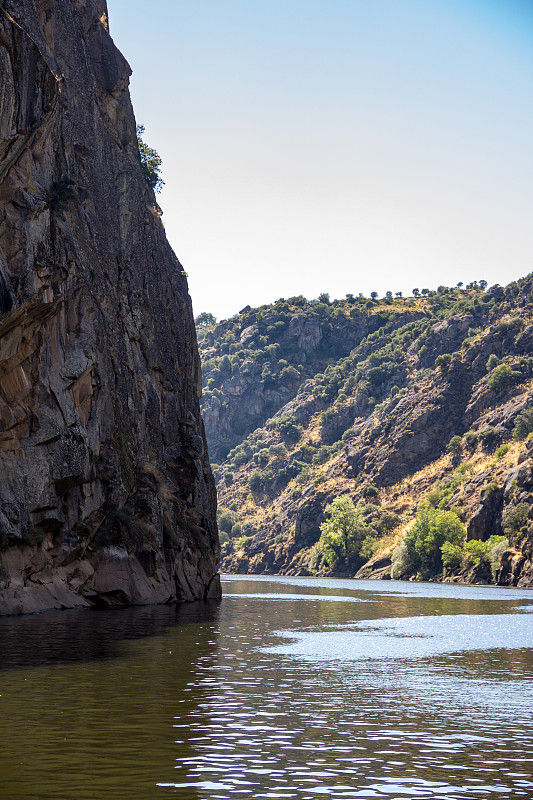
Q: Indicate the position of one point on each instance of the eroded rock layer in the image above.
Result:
(106, 494)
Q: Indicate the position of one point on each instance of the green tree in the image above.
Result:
(205, 318)
(424, 541)
(452, 555)
(150, 162)
(345, 530)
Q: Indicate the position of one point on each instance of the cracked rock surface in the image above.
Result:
(106, 494)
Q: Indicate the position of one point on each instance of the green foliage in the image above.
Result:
(288, 428)
(424, 541)
(455, 444)
(368, 547)
(515, 517)
(488, 437)
(288, 375)
(513, 324)
(501, 451)
(205, 318)
(490, 489)
(481, 551)
(242, 543)
(345, 530)
(260, 480)
(523, 424)
(262, 457)
(445, 489)
(226, 519)
(503, 377)
(150, 162)
(370, 491)
(492, 362)
(236, 530)
(387, 522)
(277, 451)
(452, 555)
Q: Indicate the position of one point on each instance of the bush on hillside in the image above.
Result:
(424, 541)
(523, 424)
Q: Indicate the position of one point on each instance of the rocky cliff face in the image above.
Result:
(106, 494)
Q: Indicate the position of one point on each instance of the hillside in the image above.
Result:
(415, 411)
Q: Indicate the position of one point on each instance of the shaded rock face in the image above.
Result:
(253, 393)
(106, 494)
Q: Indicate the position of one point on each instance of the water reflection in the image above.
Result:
(83, 635)
(287, 689)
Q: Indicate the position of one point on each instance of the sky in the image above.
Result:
(337, 146)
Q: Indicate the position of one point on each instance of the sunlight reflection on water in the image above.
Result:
(290, 688)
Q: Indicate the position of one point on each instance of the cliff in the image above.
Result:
(106, 495)
(390, 402)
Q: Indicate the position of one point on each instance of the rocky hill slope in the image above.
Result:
(410, 409)
(106, 495)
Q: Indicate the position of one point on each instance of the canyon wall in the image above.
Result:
(106, 494)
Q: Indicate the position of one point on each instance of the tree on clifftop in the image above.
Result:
(205, 318)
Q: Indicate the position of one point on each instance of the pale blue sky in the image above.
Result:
(337, 145)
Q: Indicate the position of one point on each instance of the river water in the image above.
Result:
(298, 688)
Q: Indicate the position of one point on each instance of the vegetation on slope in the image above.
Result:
(407, 410)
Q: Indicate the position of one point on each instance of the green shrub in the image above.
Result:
(226, 520)
(316, 557)
(368, 547)
(370, 491)
(483, 551)
(496, 552)
(492, 362)
(490, 489)
(503, 377)
(513, 324)
(454, 445)
(242, 543)
(387, 522)
(502, 451)
(470, 439)
(488, 437)
(322, 454)
(523, 424)
(236, 530)
(515, 517)
(262, 457)
(289, 375)
(277, 451)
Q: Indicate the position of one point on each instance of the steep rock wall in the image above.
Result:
(106, 495)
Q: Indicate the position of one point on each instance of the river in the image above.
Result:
(299, 688)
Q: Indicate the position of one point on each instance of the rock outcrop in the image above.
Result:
(106, 495)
